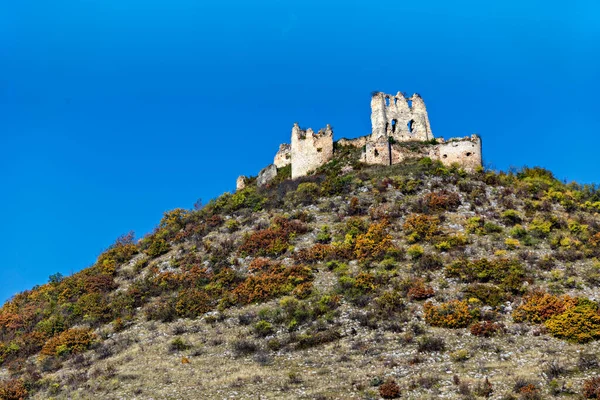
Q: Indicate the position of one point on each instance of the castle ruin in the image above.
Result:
(395, 120)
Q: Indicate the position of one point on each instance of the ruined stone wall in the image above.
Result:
(283, 157)
(358, 142)
(395, 121)
(398, 117)
(466, 152)
(377, 152)
(310, 150)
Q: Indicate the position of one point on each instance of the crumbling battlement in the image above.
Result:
(310, 150)
(395, 121)
(466, 152)
(283, 158)
(404, 119)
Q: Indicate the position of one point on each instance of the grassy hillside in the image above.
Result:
(357, 282)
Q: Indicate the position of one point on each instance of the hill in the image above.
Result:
(416, 280)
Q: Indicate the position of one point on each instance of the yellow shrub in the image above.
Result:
(375, 243)
(512, 243)
(580, 324)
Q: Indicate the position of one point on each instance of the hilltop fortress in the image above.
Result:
(395, 121)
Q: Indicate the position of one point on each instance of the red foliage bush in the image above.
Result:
(442, 200)
(274, 240)
(591, 388)
(12, 389)
(389, 389)
(323, 252)
(486, 329)
(260, 264)
(419, 291)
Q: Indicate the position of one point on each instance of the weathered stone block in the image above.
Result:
(240, 184)
(283, 158)
(266, 175)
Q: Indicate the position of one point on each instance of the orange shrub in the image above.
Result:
(595, 240)
(529, 391)
(453, 314)
(540, 306)
(12, 389)
(319, 252)
(421, 227)
(375, 243)
(72, 341)
(276, 281)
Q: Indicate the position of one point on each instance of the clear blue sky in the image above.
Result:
(112, 112)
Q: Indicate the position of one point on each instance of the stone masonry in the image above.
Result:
(283, 158)
(310, 150)
(395, 119)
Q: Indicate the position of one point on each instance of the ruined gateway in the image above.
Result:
(394, 120)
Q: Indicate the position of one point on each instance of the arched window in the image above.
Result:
(394, 124)
(411, 126)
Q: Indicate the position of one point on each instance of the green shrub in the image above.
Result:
(307, 192)
(415, 251)
(488, 294)
(540, 228)
(430, 344)
(518, 232)
(508, 274)
(324, 235)
(157, 248)
(263, 328)
(511, 217)
(178, 344)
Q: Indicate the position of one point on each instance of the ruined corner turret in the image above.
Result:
(310, 150)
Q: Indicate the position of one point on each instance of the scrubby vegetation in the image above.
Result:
(399, 274)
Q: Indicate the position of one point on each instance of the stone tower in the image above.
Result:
(395, 119)
(310, 150)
